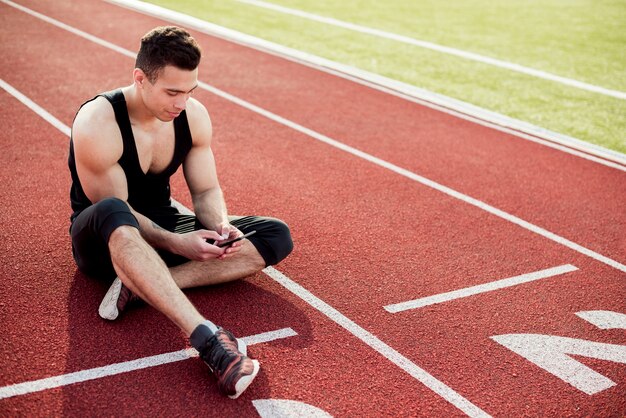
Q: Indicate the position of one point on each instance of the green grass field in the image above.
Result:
(580, 39)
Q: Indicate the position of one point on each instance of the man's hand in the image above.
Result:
(228, 231)
(194, 245)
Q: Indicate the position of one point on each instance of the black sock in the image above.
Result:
(199, 336)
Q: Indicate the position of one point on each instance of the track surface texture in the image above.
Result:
(365, 238)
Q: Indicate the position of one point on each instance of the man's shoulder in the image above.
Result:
(95, 117)
(196, 110)
(97, 109)
(199, 122)
(95, 132)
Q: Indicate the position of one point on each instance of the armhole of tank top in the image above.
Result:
(183, 132)
(130, 158)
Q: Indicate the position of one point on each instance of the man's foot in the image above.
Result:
(116, 300)
(222, 352)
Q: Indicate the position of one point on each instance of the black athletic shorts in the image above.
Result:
(91, 229)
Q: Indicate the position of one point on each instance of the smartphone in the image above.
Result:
(229, 242)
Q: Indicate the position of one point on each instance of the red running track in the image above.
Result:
(365, 238)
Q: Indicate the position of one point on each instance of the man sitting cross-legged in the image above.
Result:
(125, 145)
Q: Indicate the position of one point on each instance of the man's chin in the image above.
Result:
(167, 116)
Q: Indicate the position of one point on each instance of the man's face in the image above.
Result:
(168, 95)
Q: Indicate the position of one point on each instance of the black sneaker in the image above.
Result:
(232, 368)
(116, 300)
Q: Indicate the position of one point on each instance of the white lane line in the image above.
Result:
(126, 366)
(439, 102)
(478, 289)
(398, 170)
(71, 29)
(439, 48)
(35, 108)
(375, 343)
(392, 355)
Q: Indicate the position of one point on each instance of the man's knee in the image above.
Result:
(124, 233)
(287, 242)
(110, 215)
(281, 241)
(110, 205)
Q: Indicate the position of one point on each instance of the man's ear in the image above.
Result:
(139, 77)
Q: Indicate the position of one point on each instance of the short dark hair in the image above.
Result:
(167, 45)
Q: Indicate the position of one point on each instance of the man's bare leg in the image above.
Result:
(203, 273)
(243, 263)
(141, 269)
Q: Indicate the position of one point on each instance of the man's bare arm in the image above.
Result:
(200, 170)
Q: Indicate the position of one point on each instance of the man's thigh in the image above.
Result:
(272, 239)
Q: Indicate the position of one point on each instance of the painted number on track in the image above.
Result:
(552, 353)
(285, 408)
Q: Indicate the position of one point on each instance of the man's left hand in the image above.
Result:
(228, 231)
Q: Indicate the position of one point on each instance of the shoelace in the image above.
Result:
(222, 349)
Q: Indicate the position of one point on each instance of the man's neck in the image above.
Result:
(137, 111)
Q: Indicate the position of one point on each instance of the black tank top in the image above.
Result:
(147, 193)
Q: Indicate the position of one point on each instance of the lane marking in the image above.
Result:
(439, 48)
(71, 29)
(394, 168)
(35, 108)
(478, 289)
(286, 408)
(604, 319)
(439, 102)
(126, 366)
(552, 353)
(392, 355)
(378, 345)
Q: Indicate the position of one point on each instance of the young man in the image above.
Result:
(125, 146)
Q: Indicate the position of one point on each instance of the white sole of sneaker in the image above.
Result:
(108, 306)
(245, 381)
(242, 347)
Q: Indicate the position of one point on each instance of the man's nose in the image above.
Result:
(180, 104)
